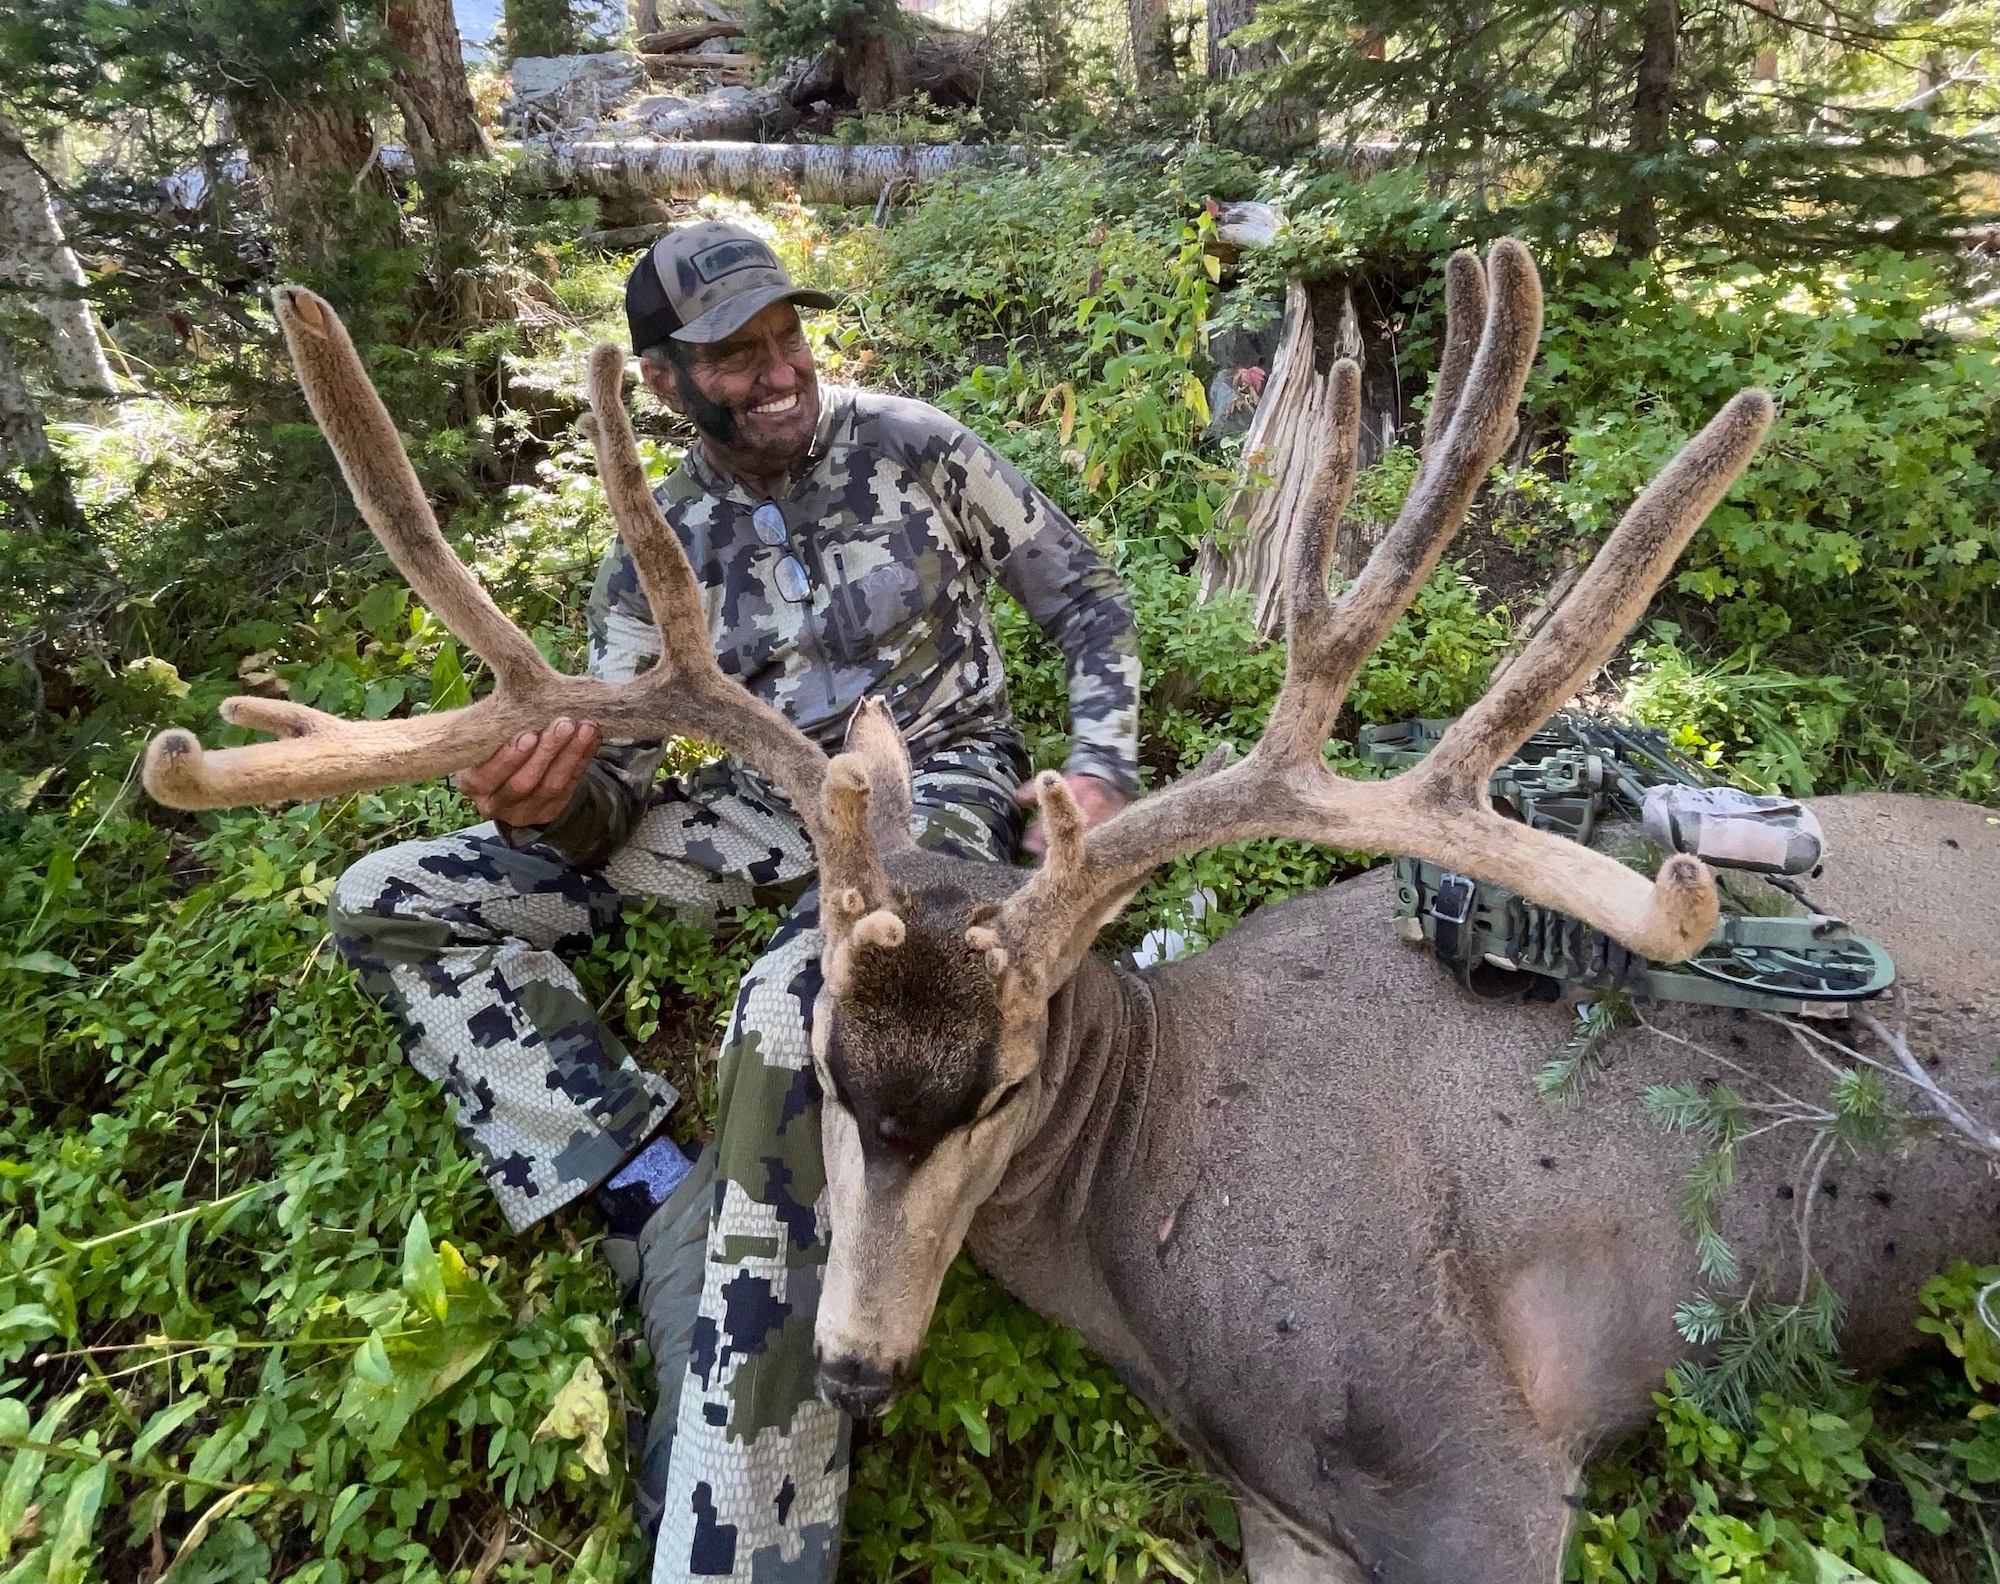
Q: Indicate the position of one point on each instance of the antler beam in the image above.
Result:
(1438, 811)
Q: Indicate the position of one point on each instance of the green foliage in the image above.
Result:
(1814, 1479)
(1701, 121)
(1017, 1456)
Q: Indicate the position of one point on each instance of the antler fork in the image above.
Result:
(1438, 810)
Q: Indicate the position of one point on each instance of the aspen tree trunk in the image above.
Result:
(48, 500)
(37, 262)
(428, 82)
(817, 172)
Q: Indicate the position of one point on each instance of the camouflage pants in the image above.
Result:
(461, 935)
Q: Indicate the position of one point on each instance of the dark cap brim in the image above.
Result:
(726, 318)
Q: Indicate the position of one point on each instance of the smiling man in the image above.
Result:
(844, 542)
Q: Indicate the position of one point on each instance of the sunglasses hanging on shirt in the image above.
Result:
(793, 583)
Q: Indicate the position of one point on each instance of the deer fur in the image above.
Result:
(1297, 1188)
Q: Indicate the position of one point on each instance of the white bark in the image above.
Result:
(817, 172)
(35, 260)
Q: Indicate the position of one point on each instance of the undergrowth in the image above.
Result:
(257, 1311)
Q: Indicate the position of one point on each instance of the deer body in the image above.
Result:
(1318, 1215)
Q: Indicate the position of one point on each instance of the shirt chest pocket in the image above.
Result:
(877, 594)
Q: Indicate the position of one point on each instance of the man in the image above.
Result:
(843, 541)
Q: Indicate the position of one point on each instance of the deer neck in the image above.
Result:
(1096, 1073)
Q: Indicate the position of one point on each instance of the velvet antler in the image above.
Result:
(1438, 810)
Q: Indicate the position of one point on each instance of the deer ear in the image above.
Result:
(874, 739)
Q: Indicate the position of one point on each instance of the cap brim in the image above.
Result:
(726, 318)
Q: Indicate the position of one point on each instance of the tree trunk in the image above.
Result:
(817, 172)
(318, 163)
(1652, 125)
(48, 501)
(1246, 550)
(37, 262)
(428, 82)
(1225, 60)
(1150, 41)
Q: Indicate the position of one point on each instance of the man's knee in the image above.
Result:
(380, 913)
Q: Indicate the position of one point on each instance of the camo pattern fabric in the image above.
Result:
(899, 519)
(463, 935)
(758, 1474)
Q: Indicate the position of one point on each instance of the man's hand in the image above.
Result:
(1096, 799)
(529, 781)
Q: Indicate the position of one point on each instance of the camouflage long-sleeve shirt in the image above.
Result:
(899, 518)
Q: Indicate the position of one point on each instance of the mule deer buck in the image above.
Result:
(1298, 1188)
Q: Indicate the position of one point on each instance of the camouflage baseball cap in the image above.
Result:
(704, 282)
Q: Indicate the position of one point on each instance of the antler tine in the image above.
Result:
(1464, 308)
(1606, 601)
(704, 702)
(1482, 418)
(852, 879)
(1301, 718)
(384, 485)
(319, 755)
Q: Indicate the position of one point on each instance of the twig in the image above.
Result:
(1947, 1108)
(1825, 1150)
(1736, 1067)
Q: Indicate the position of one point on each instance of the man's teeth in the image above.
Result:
(783, 404)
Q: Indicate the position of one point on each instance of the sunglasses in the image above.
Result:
(793, 583)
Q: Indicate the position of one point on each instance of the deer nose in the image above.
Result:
(856, 1387)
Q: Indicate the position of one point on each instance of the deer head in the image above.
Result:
(930, 1036)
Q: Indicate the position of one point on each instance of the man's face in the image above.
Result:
(755, 395)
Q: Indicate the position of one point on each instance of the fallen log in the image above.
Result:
(669, 41)
(832, 173)
(663, 65)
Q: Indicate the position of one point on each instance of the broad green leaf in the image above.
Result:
(166, 1422)
(79, 1518)
(41, 962)
(26, 1473)
(349, 1505)
(423, 1277)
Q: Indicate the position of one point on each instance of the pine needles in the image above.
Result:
(1563, 1081)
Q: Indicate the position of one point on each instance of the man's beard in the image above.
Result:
(711, 418)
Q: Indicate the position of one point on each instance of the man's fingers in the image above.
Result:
(482, 778)
(1025, 793)
(571, 762)
(527, 780)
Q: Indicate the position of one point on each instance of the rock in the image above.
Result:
(557, 92)
(723, 46)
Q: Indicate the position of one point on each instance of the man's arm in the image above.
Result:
(1044, 562)
(607, 799)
